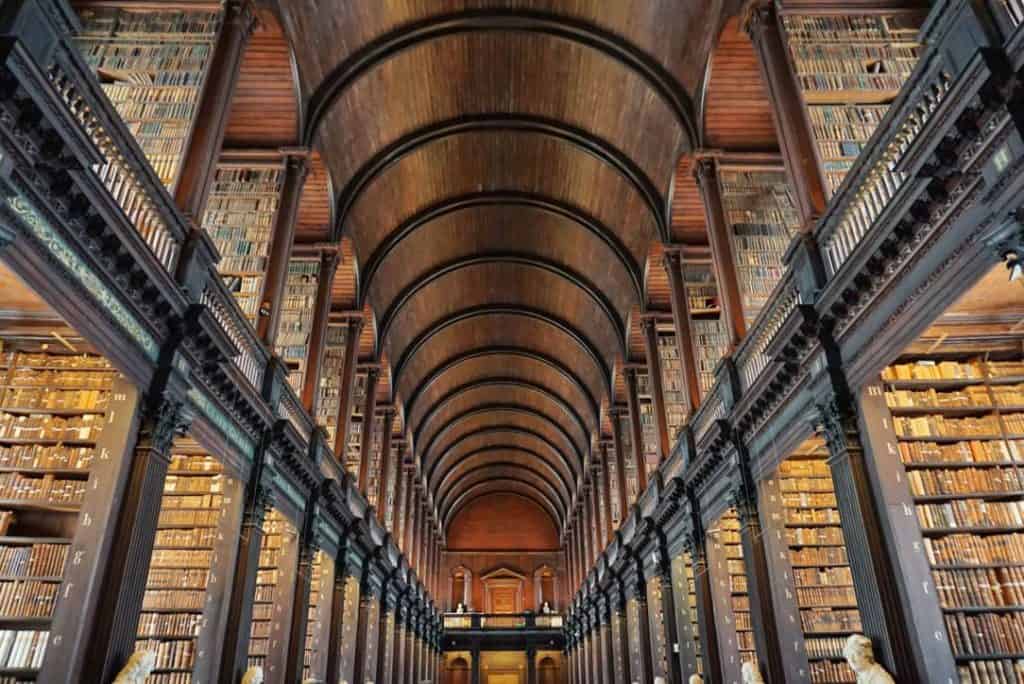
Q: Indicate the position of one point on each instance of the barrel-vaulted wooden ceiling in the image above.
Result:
(499, 170)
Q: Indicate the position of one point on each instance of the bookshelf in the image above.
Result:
(353, 449)
(52, 411)
(151, 65)
(297, 308)
(328, 402)
(729, 595)
(321, 585)
(239, 218)
(275, 579)
(374, 473)
(848, 70)
(613, 487)
(672, 382)
(183, 596)
(648, 421)
(687, 627)
(818, 560)
(959, 423)
(628, 460)
(761, 214)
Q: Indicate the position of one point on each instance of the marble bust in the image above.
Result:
(254, 675)
(860, 655)
(696, 679)
(751, 674)
(138, 667)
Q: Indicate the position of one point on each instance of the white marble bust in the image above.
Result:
(696, 679)
(751, 674)
(861, 657)
(254, 675)
(138, 667)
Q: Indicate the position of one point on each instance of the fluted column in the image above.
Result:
(199, 159)
(637, 434)
(354, 328)
(792, 125)
(280, 251)
(683, 325)
(649, 327)
(366, 444)
(706, 173)
(318, 332)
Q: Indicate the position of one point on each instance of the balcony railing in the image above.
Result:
(504, 621)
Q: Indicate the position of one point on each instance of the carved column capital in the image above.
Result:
(671, 260)
(705, 170)
(241, 16)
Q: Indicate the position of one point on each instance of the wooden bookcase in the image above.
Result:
(297, 308)
(275, 582)
(628, 459)
(614, 505)
(710, 339)
(730, 599)
(374, 471)
(53, 411)
(648, 421)
(328, 402)
(959, 423)
(184, 607)
(848, 69)
(318, 629)
(761, 216)
(353, 450)
(811, 576)
(687, 627)
(672, 379)
(152, 66)
(239, 218)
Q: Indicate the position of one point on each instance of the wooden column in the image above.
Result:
(637, 434)
(344, 617)
(281, 241)
(318, 333)
(755, 561)
(595, 513)
(351, 362)
(570, 561)
(683, 325)
(396, 515)
(366, 637)
(695, 543)
(607, 452)
(706, 172)
(383, 637)
(407, 509)
(307, 548)
(531, 664)
(891, 575)
(639, 628)
(366, 445)
(587, 538)
(607, 649)
(401, 626)
(615, 414)
(234, 660)
(199, 159)
(136, 495)
(661, 601)
(385, 463)
(620, 635)
(649, 326)
(792, 126)
(413, 552)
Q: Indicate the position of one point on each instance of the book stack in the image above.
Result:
(729, 538)
(51, 414)
(374, 470)
(817, 554)
(180, 567)
(353, 449)
(152, 66)
(956, 426)
(296, 322)
(762, 218)
(278, 533)
(239, 218)
(628, 460)
(849, 69)
(314, 626)
(672, 382)
(328, 401)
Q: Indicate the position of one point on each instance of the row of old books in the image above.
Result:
(936, 482)
(971, 513)
(995, 587)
